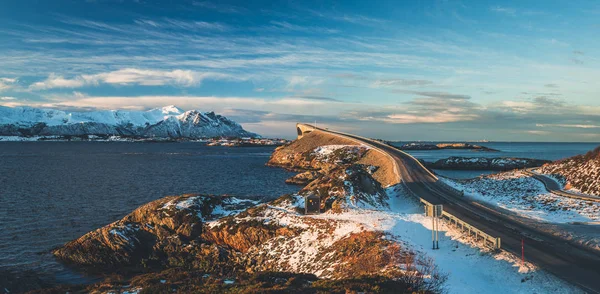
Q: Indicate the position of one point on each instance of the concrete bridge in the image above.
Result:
(303, 129)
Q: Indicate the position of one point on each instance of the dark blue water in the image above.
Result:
(548, 151)
(54, 192)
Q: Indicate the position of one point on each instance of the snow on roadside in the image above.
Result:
(526, 196)
(471, 269)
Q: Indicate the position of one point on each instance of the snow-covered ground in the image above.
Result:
(471, 268)
(526, 196)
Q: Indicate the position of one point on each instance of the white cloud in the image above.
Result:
(441, 117)
(504, 10)
(299, 81)
(7, 83)
(577, 126)
(129, 76)
(7, 98)
(284, 105)
(56, 81)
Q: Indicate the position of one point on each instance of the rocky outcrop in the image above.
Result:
(302, 179)
(320, 151)
(162, 232)
(483, 163)
(166, 122)
(580, 173)
(439, 146)
(350, 185)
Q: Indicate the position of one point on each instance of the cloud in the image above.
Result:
(551, 85)
(441, 95)
(7, 98)
(300, 81)
(431, 107)
(283, 25)
(504, 10)
(350, 76)
(318, 98)
(220, 7)
(7, 83)
(577, 126)
(400, 82)
(128, 76)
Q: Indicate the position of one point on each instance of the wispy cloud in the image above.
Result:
(577, 126)
(128, 76)
(504, 10)
(401, 82)
(219, 7)
(7, 83)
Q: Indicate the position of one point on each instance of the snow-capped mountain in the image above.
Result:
(168, 121)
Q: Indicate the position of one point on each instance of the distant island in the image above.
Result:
(168, 122)
(440, 146)
(483, 163)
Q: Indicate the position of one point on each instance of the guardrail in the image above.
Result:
(488, 240)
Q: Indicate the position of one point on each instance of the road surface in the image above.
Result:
(553, 187)
(571, 262)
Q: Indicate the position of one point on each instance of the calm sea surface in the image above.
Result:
(54, 192)
(548, 151)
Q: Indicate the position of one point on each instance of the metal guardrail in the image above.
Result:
(490, 241)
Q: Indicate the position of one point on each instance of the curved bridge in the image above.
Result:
(303, 129)
(570, 261)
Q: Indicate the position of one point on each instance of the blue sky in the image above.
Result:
(400, 70)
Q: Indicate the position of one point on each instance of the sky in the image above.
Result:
(396, 70)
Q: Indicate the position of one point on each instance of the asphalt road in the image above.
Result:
(553, 187)
(571, 262)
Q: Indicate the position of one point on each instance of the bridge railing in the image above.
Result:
(488, 240)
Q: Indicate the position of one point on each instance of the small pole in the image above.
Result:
(432, 228)
(437, 231)
(522, 252)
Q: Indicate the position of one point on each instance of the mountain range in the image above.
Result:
(165, 122)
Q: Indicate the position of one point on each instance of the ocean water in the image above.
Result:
(535, 150)
(54, 192)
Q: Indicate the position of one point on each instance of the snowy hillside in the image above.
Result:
(579, 173)
(168, 121)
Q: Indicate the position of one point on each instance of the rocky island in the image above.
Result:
(441, 146)
(206, 244)
(483, 163)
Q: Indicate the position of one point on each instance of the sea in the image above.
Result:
(534, 150)
(54, 192)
